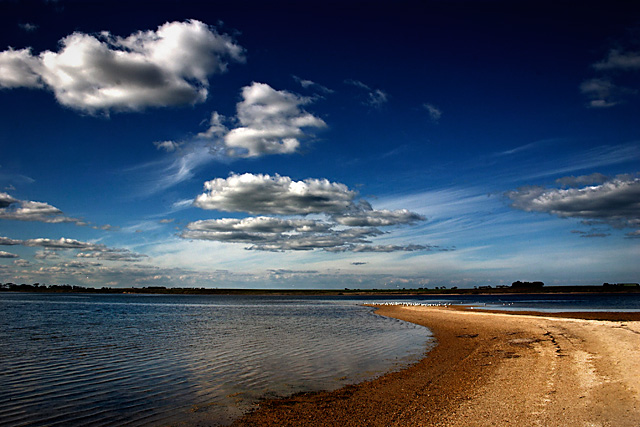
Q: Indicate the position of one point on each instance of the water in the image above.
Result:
(143, 360)
(147, 360)
(591, 302)
(565, 303)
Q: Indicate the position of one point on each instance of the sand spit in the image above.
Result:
(489, 369)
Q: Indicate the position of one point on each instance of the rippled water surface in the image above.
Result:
(155, 360)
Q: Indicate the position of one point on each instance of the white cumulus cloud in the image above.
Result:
(19, 68)
(271, 122)
(168, 66)
(265, 194)
(350, 224)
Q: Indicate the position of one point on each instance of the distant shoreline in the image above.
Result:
(571, 289)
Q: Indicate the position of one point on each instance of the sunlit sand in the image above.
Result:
(490, 369)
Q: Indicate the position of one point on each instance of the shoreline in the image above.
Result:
(411, 292)
(488, 369)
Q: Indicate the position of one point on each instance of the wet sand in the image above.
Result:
(489, 369)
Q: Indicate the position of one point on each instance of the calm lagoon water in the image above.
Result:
(148, 360)
(143, 360)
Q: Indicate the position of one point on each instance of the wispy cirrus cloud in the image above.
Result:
(593, 158)
(435, 113)
(382, 248)
(309, 84)
(375, 98)
(101, 72)
(590, 234)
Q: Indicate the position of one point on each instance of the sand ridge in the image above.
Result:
(488, 369)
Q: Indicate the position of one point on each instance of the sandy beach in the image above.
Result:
(490, 369)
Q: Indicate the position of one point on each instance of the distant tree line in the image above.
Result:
(534, 285)
(37, 287)
(515, 288)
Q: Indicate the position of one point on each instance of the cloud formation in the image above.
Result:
(168, 146)
(574, 181)
(619, 60)
(349, 226)
(605, 91)
(265, 194)
(590, 234)
(93, 250)
(62, 243)
(267, 122)
(376, 98)
(169, 66)
(602, 93)
(111, 254)
(259, 224)
(6, 200)
(4, 254)
(275, 234)
(309, 84)
(26, 210)
(286, 241)
(380, 248)
(6, 241)
(615, 202)
(271, 122)
(434, 112)
(28, 27)
(378, 218)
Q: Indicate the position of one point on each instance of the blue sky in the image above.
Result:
(319, 144)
